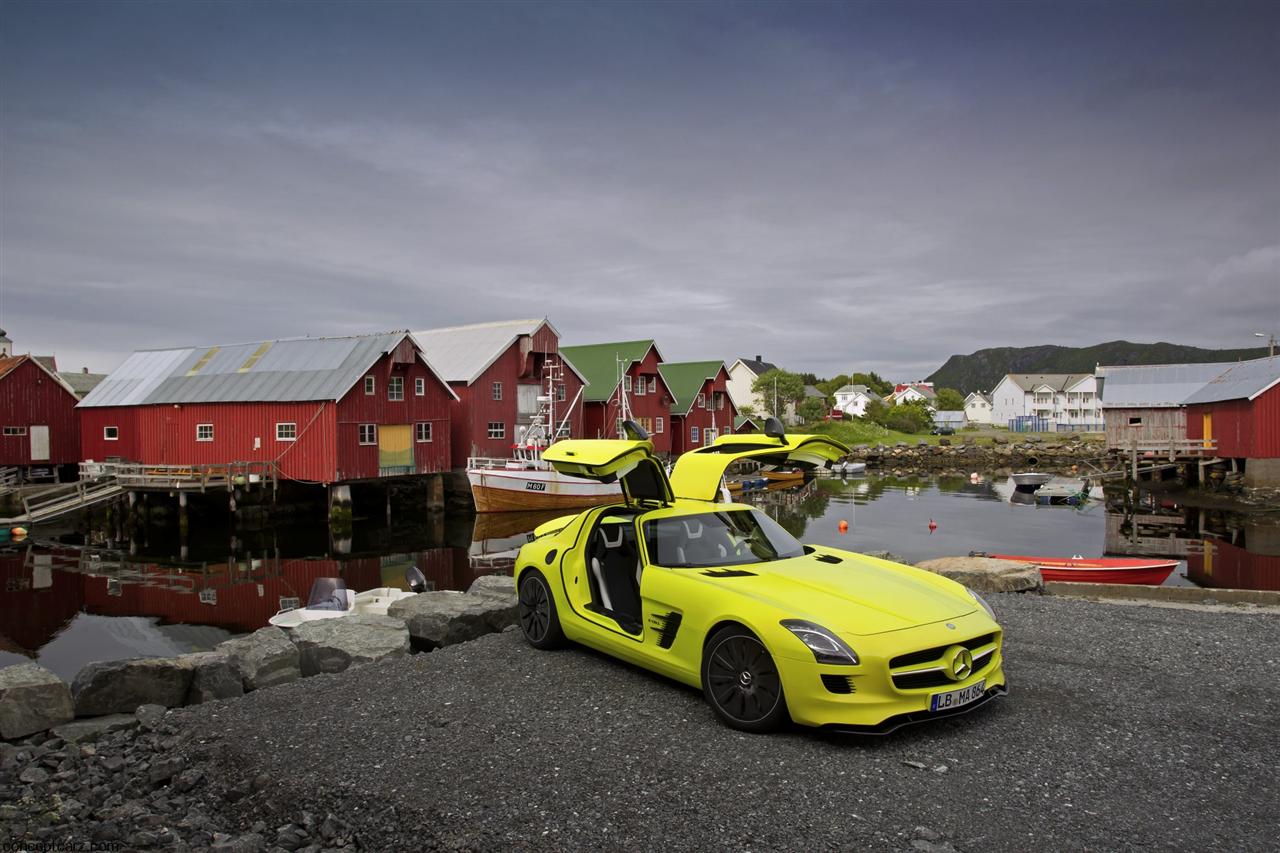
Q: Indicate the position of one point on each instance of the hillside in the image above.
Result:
(980, 371)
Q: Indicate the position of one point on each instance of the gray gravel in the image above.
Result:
(1126, 727)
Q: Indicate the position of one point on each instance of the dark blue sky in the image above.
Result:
(871, 185)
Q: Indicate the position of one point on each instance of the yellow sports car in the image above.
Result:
(719, 596)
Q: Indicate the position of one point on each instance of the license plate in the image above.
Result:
(956, 698)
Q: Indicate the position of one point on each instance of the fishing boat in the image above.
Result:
(331, 599)
(524, 482)
(1096, 569)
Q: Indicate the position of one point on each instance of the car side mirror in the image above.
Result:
(774, 429)
(634, 431)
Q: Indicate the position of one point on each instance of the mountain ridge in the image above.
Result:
(982, 369)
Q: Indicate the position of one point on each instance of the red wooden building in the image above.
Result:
(619, 375)
(38, 425)
(701, 409)
(323, 410)
(1240, 411)
(498, 371)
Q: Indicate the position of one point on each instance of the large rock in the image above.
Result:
(438, 619)
(32, 699)
(119, 687)
(497, 587)
(332, 645)
(88, 730)
(214, 675)
(985, 574)
(265, 658)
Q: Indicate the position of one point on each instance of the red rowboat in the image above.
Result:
(1098, 569)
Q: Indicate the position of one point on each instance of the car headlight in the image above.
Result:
(826, 646)
(985, 606)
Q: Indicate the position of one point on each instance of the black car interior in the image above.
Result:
(614, 566)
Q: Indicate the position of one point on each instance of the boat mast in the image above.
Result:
(624, 405)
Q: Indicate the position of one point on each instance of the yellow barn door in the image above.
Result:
(1208, 429)
(395, 450)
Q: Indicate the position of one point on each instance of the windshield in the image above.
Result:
(328, 594)
(728, 538)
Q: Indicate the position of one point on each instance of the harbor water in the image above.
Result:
(72, 596)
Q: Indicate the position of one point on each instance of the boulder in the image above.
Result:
(88, 730)
(984, 574)
(438, 619)
(119, 687)
(332, 645)
(214, 675)
(494, 586)
(265, 658)
(32, 699)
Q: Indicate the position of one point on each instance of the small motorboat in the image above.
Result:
(1030, 479)
(796, 476)
(331, 599)
(1095, 569)
(848, 467)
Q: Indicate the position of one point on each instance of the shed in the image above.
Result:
(1143, 403)
(321, 410)
(954, 420)
(39, 431)
(498, 371)
(1240, 410)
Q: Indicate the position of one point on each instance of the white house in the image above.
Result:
(742, 373)
(912, 391)
(853, 399)
(977, 408)
(1062, 401)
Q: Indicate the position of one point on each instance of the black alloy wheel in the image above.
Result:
(741, 682)
(538, 619)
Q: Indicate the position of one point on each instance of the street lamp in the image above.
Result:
(1271, 342)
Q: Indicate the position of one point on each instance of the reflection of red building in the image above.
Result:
(36, 600)
(1228, 566)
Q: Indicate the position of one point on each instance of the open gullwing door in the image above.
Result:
(698, 473)
(627, 461)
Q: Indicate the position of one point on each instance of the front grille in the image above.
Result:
(929, 655)
(838, 683)
(940, 677)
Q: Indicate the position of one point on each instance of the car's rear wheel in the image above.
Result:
(741, 682)
(539, 621)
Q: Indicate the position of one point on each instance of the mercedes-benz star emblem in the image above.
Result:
(962, 665)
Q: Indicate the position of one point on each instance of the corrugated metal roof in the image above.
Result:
(462, 353)
(1056, 381)
(1245, 380)
(1154, 386)
(950, 418)
(82, 383)
(264, 371)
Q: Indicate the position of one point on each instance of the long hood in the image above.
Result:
(859, 595)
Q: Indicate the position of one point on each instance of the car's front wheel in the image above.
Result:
(741, 682)
(539, 621)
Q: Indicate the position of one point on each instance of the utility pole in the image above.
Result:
(1271, 342)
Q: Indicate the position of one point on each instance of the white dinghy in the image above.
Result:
(331, 599)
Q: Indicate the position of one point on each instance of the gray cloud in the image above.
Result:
(834, 187)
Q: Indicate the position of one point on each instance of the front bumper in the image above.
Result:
(866, 699)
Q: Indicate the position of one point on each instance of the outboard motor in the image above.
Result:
(416, 580)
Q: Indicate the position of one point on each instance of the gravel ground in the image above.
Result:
(1126, 727)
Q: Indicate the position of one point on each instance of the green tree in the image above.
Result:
(949, 400)
(813, 409)
(830, 386)
(777, 388)
(872, 380)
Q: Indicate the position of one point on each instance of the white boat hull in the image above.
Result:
(373, 601)
(513, 490)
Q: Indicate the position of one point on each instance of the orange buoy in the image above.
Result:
(843, 526)
(933, 525)
(18, 532)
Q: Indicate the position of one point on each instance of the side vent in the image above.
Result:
(729, 573)
(828, 558)
(667, 625)
(841, 684)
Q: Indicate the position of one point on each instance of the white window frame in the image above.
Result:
(657, 425)
(497, 430)
(367, 435)
(292, 429)
(111, 433)
(693, 434)
(626, 383)
(208, 437)
(370, 386)
(639, 392)
(561, 394)
(395, 389)
(653, 385)
(419, 387)
(15, 430)
(702, 401)
(495, 391)
(422, 432)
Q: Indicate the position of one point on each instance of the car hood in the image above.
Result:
(858, 595)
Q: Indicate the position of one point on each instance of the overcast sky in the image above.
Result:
(858, 185)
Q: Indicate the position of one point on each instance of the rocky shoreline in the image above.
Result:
(962, 453)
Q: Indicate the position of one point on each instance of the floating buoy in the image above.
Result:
(19, 532)
(933, 525)
(843, 526)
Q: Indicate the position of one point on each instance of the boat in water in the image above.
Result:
(1095, 569)
(1030, 479)
(330, 598)
(524, 482)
